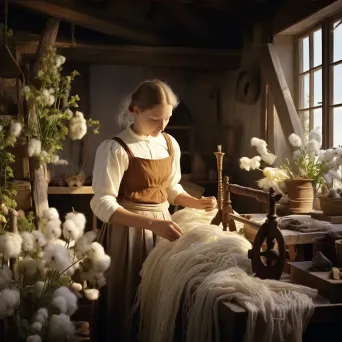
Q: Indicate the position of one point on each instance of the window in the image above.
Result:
(319, 74)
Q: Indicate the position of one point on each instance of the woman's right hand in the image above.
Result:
(166, 229)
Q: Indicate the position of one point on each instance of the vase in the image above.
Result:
(301, 195)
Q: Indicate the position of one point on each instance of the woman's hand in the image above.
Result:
(207, 203)
(166, 229)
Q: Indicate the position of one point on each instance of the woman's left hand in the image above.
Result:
(207, 203)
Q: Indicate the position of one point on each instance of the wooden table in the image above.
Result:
(291, 238)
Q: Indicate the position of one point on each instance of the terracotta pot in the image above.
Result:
(301, 195)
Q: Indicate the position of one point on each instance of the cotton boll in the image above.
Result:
(296, 155)
(53, 229)
(255, 162)
(339, 161)
(295, 140)
(61, 328)
(28, 243)
(78, 218)
(40, 240)
(70, 230)
(101, 264)
(333, 165)
(36, 327)
(15, 129)
(62, 162)
(338, 151)
(56, 257)
(92, 294)
(315, 135)
(54, 159)
(70, 300)
(60, 303)
(34, 147)
(269, 158)
(69, 113)
(51, 100)
(76, 287)
(51, 214)
(77, 126)
(59, 60)
(83, 244)
(10, 297)
(10, 245)
(43, 312)
(313, 147)
(328, 155)
(34, 338)
(245, 163)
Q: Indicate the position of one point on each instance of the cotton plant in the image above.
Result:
(309, 161)
(41, 293)
(56, 111)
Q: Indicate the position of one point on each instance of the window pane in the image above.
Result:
(337, 120)
(304, 63)
(305, 120)
(317, 119)
(304, 91)
(317, 44)
(317, 88)
(337, 83)
(337, 33)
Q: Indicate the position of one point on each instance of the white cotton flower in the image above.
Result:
(9, 301)
(333, 165)
(76, 287)
(43, 312)
(295, 140)
(266, 184)
(15, 129)
(65, 300)
(245, 163)
(92, 294)
(38, 288)
(53, 229)
(296, 155)
(24, 90)
(78, 218)
(56, 257)
(93, 278)
(39, 238)
(5, 275)
(51, 213)
(339, 161)
(44, 154)
(100, 260)
(51, 100)
(312, 148)
(34, 338)
(315, 135)
(54, 159)
(269, 158)
(83, 245)
(10, 245)
(77, 126)
(71, 231)
(34, 147)
(255, 162)
(338, 151)
(61, 328)
(327, 156)
(331, 175)
(69, 113)
(28, 266)
(59, 60)
(28, 244)
(258, 142)
(36, 327)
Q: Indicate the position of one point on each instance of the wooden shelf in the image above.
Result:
(65, 190)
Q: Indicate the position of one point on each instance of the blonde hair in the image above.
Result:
(148, 95)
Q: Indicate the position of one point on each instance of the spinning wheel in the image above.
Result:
(267, 260)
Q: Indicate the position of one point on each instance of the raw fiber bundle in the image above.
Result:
(203, 267)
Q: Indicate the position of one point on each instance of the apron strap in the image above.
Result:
(124, 146)
(169, 144)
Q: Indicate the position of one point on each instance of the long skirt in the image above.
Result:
(128, 247)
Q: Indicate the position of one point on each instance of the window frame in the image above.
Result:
(327, 65)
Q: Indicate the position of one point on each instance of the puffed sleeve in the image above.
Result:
(175, 188)
(111, 161)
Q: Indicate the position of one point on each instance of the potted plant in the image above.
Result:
(300, 177)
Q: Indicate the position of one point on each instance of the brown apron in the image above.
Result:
(143, 191)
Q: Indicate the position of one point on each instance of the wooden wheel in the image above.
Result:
(268, 263)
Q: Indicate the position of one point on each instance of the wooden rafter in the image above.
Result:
(282, 98)
(90, 18)
(137, 55)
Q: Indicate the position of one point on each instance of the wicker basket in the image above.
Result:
(331, 206)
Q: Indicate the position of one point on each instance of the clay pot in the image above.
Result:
(301, 195)
(331, 206)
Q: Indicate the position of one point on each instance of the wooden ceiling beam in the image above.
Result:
(140, 55)
(93, 19)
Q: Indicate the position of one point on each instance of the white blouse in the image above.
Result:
(111, 162)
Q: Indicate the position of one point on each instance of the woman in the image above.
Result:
(136, 175)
